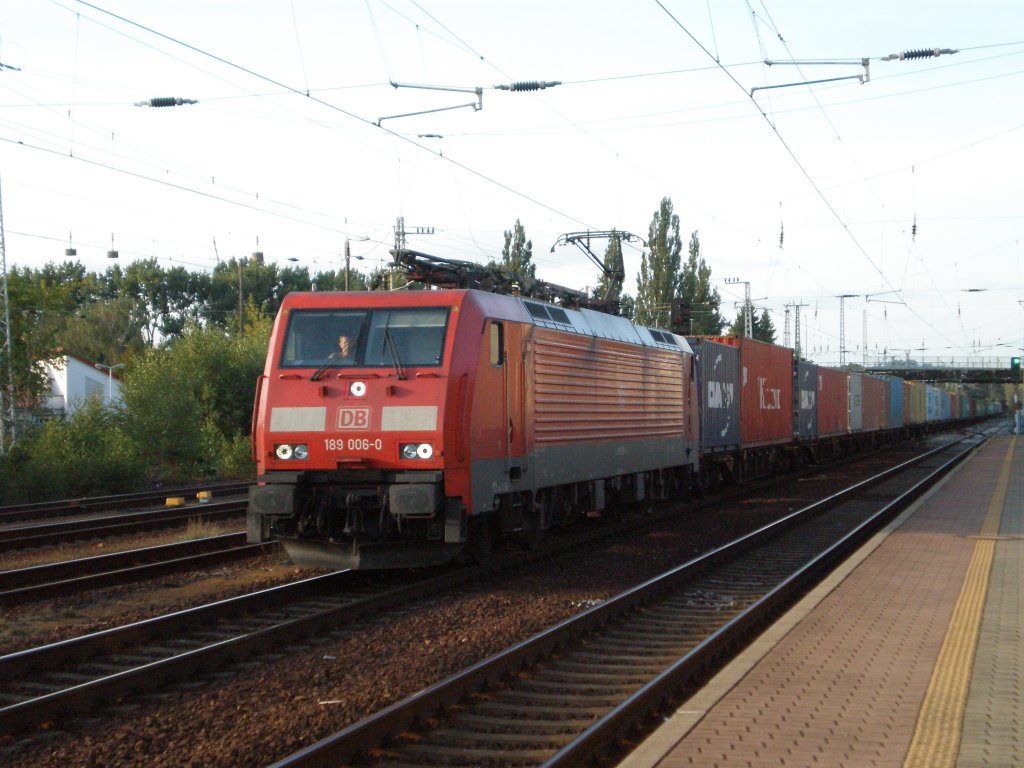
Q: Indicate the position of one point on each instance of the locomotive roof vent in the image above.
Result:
(544, 314)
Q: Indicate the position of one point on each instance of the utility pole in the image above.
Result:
(864, 336)
(400, 233)
(241, 322)
(7, 391)
(748, 320)
(799, 341)
(348, 256)
(785, 334)
(842, 325)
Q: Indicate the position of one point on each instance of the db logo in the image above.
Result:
(353, 418)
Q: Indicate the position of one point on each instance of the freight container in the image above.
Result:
(856, 401)
(718, 377)
(895, 417)
(873, 403)
(933, 402)
(766, 391)
(833, 407)
(915, 394)
(805, 407)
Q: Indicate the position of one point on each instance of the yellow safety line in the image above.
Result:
(936, 740)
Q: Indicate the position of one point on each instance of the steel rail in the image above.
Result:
(360, 739)
(304, 601)
(44, 534)
(115, 501)
(73, 576)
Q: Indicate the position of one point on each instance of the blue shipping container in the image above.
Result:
(718, 380)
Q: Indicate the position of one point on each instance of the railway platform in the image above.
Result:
(911, 654)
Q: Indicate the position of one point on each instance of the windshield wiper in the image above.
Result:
(320, 371)
(393, 349)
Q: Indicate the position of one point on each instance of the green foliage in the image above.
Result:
(89, 453)
(104, 331)
(696, 288)
(658, 281)
(517, 253)
(607, 288)
(763, 327)
(187, 402)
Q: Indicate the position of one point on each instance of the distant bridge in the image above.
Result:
(965, 370)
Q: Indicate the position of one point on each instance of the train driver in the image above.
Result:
(345, 347)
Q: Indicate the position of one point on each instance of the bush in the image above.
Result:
(87, 454)
(189, 405)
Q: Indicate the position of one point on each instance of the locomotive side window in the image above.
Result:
(497, 343)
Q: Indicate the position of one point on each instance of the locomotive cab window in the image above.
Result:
(404, 337)
(322, 337)
(329, 338)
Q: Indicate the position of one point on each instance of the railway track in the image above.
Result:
(572, 694)
(38, 582)
(73, 676)
(76, 675)
(66, 507)
(51, 533)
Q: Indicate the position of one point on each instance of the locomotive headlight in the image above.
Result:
(357, 388)
(286, 452)
(416, 451)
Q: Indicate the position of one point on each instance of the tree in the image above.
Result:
(695, 287)
(608, 287)
(107, 332)
(517, 255)
(250, 278)
(658, 281)
(763, 327)
(189, 404)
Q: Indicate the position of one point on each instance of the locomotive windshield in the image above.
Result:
(338, 338)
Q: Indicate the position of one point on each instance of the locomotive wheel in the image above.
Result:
(536, 519)
(482, 538)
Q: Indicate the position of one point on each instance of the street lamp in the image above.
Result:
(348, 256)
(110, 377)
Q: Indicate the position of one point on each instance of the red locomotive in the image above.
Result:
(404, 429)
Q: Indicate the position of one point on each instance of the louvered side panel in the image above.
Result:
(587, 389)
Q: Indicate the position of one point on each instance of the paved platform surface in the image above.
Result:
(912, 654)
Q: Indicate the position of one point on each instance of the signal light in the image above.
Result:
(1015, 363)
(680, 319)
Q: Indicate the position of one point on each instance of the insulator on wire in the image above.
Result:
(529, 85)
(165, 101)
(920, 53)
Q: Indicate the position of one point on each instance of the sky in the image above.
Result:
(809, 160)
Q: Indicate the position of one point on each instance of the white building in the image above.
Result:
(74, 379)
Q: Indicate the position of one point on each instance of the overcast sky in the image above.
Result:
(806, 192)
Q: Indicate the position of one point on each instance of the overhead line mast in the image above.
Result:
(7, 389)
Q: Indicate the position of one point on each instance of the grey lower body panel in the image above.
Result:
(575, 463)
